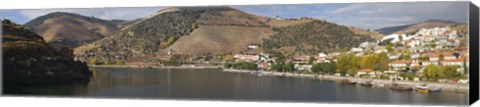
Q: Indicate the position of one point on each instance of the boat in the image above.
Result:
(352, 82)
(422, 89)
(367, 83)
(435, 90)
(346, 81)
(400, 87)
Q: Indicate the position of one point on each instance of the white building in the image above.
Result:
(253, 46)
(398, 64)
(246, 57)
(356, 50)
(394, 37)
(426, 63)
(414, 43)
(322, 55)
(367, 44)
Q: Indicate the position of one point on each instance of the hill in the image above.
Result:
(195, 31)
(410, 28)
(70, 29)
(30, 61)
(313, 37)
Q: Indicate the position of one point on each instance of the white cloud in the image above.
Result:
(378, 15)
(104, 13)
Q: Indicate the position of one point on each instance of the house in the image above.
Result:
(458, 61)
(415, 56)
(322, 55)
(246, 57)
(415, 63)
(252, 46)
(398, 64)
(418, 49)
(449, 55)
(367, 44)
(366, 72)
(394, 37)
(428, 39)
(433, 56)
(333, 54)
(379, 49)
(356, 50)
(426, 63)
(415, 43)
(300, 59)
(264, 66)
(391, 56)
(300, 67)
(452, 34)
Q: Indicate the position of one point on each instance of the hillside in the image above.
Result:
(203, 30)
(410, 28)
(313, 37)
(70, 29)
(372, 34)
(29, 61)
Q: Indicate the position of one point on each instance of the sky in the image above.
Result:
(359, 15)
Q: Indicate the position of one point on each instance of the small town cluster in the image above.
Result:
(434, 54)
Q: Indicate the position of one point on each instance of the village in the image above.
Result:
(431, 55)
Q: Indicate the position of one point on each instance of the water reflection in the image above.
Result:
(213, 84)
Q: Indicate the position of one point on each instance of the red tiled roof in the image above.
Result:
(461, 59)
(366, 70)
(399, 62)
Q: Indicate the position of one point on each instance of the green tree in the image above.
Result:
(279, 57)
(328, 67)
(368, 61)
(451, 72)
(432, 72)
(167, 43)
(352, 71)
(441, 57)
(316, 68)
(119, 62)
(311, 60)
(288, 67)
(404, 57)
(277, 67)
(346, 63)
(106, 62)
(94, 61)
(389, 48)
(382, 62)
(194, 26)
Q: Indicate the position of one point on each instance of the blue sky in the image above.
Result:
(360, 15)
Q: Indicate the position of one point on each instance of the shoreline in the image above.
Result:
(457, 88)
(156, 67)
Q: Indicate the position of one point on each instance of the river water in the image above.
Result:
(213, 84)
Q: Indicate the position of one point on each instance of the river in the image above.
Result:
(213, 84)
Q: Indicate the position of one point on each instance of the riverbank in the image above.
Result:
(157, 67)
(459, 88)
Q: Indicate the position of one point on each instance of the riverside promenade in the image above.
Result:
(461, 88)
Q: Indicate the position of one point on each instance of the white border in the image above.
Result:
(77, 102)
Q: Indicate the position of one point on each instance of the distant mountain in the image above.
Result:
(70, 29)
(203, 30)
(30, 61)
(410, 28)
